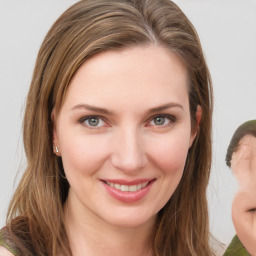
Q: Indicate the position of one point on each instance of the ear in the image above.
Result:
(55, 141)
(196, 127)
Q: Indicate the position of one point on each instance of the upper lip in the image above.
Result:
(127, 182)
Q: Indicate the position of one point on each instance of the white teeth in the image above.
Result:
(126, 188)
(144, 184)
(117, 186)
(133, 188)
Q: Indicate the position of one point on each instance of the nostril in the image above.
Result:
(129, 163)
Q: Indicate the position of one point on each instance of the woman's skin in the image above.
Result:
(243, 165)
(5, 252)
(125, 120)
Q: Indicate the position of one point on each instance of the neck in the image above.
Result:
(91, 235)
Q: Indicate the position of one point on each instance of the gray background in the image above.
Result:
(227, 29)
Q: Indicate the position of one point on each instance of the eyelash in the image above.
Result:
(171, 120)
(86, 118)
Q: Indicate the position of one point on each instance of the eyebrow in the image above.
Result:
(107, 112)
(92, 108)
(166, 106)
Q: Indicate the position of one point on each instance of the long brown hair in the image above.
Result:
(35, 218)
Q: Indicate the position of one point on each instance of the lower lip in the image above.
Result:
(126, 196)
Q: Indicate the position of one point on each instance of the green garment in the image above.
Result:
(6, 243)
(236, 248)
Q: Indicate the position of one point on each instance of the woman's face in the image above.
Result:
(123, 134)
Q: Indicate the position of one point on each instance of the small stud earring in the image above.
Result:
(56, 149)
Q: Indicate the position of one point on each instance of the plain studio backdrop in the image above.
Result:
(227, 29)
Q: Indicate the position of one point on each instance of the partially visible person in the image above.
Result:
(241, 158)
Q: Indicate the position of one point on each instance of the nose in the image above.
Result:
(129, 154)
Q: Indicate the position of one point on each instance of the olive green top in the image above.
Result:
(235, 248)
(6, 243)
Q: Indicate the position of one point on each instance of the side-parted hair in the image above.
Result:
(35, 218)
(247, 128)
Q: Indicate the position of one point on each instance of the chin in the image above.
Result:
(131, 219)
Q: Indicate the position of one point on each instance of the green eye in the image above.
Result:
(162, 120)
(92, 121)
(159, 120)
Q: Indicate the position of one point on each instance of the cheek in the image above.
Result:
(170, 155)
(82, 154)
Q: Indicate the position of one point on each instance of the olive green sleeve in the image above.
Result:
(6, 243)
(236, 248)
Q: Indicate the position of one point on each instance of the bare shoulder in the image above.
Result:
(5, 252)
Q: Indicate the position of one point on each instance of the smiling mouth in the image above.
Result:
(127, 188)
(128, 191)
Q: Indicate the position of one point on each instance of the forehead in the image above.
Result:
(131, 74)
(247, 141)
(245, 151)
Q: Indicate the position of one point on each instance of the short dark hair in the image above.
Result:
(247, 128)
